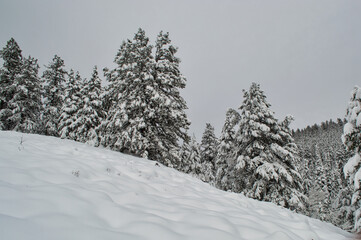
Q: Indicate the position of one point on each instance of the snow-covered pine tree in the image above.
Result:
(69, 121)
(146, 116)
(26, 103)
(185, 164)
(224, 158)
(125, 128)
(12, 65)
(351, 138)
(91, 114)
(190, 157)
(170, 122)
(342, 212)
(208, 149)
(319, 205)
(54, 78)
(265, 164)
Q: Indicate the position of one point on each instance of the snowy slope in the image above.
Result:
(59, 189)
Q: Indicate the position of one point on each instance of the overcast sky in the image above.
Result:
(306, 54)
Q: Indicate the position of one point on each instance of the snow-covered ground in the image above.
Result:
(59, 189)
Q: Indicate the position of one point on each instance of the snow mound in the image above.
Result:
(59, 189)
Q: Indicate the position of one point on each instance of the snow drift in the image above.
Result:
(60, 189)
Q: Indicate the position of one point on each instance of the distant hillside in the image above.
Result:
(322, 157)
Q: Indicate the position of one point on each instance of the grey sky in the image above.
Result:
(306, 54)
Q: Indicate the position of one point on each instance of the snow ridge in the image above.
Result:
(60, 189)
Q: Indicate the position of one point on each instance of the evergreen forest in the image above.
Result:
(314, 171)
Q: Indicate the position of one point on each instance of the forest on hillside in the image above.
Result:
(141, 112)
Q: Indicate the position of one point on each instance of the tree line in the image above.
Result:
(141, 112)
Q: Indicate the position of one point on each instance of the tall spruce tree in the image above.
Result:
(146, 116)
(69, 121)
(125, 128)
(11, 69)
(190, 157)
(208, 149)
(224, 158)
(265, 165)
(54, 78)
(319, 205)
(26, 104)
(91, 114)
(351, 138)
(170, 119)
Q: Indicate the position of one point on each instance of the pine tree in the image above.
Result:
(91, 114)
(190, 157)
(69, 122)
(170, 118)
(351, 138)
(319, 194)
(25, 104)
(343, 210)
(54, 78)
(265, 164)
(146, 116)
(208, 149)
(185, 164)
(125, 126)
(11, 69)
(225, 150)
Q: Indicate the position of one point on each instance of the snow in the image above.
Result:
(59, 189)
(348, 128)
(351, 165)
(358, 120)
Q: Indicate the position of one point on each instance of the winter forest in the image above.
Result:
(137, 108)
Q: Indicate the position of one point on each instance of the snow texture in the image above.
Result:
(351, 165)
(60, 189)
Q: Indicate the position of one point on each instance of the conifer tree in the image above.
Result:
(126, 127)
(208, 144)
(54, 78)
(146, 116)
(318, 192)
(208, 150)
(91, 114)
(342, 212)
(265, 164)
(351, 138)
(171, 119)
(25, 104)
(190, 157)
(185, 165)
(225, 150)
(69, 121)
(12, 65)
